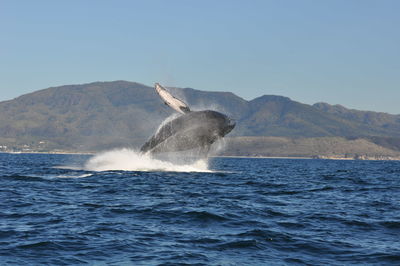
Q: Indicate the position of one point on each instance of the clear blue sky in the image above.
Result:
(341, 52)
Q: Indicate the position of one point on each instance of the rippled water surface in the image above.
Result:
(236, 212)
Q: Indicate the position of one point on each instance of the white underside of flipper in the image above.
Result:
(171, 101)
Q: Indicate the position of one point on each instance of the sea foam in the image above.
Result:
(131, 160)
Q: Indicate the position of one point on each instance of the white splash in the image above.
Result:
(130, 160)
(167, 120)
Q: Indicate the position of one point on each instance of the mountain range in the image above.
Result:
(103, 115)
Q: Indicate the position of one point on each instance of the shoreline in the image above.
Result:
(318, 157)
(48, 152)
(367, 158)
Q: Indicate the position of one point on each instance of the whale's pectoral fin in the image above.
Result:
(172, 101)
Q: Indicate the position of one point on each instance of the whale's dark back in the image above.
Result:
(188, 131)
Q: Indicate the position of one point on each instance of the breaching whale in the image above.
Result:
(191, 130)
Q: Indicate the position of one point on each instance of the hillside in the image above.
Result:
(373, 119)
(323, 147)
(83, 116)
(104, 115)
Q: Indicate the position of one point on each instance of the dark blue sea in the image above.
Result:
(71, 210)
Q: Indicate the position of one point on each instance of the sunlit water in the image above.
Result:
(120, 208)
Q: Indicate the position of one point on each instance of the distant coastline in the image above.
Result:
(48, 152)
(333, 148)
(364, 158)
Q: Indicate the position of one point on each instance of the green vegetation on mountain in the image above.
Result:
(320, 147)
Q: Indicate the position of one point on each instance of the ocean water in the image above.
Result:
(119, 208)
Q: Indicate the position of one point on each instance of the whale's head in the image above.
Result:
(229, 124)
(219, 123)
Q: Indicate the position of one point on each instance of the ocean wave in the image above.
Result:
(248, 215)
